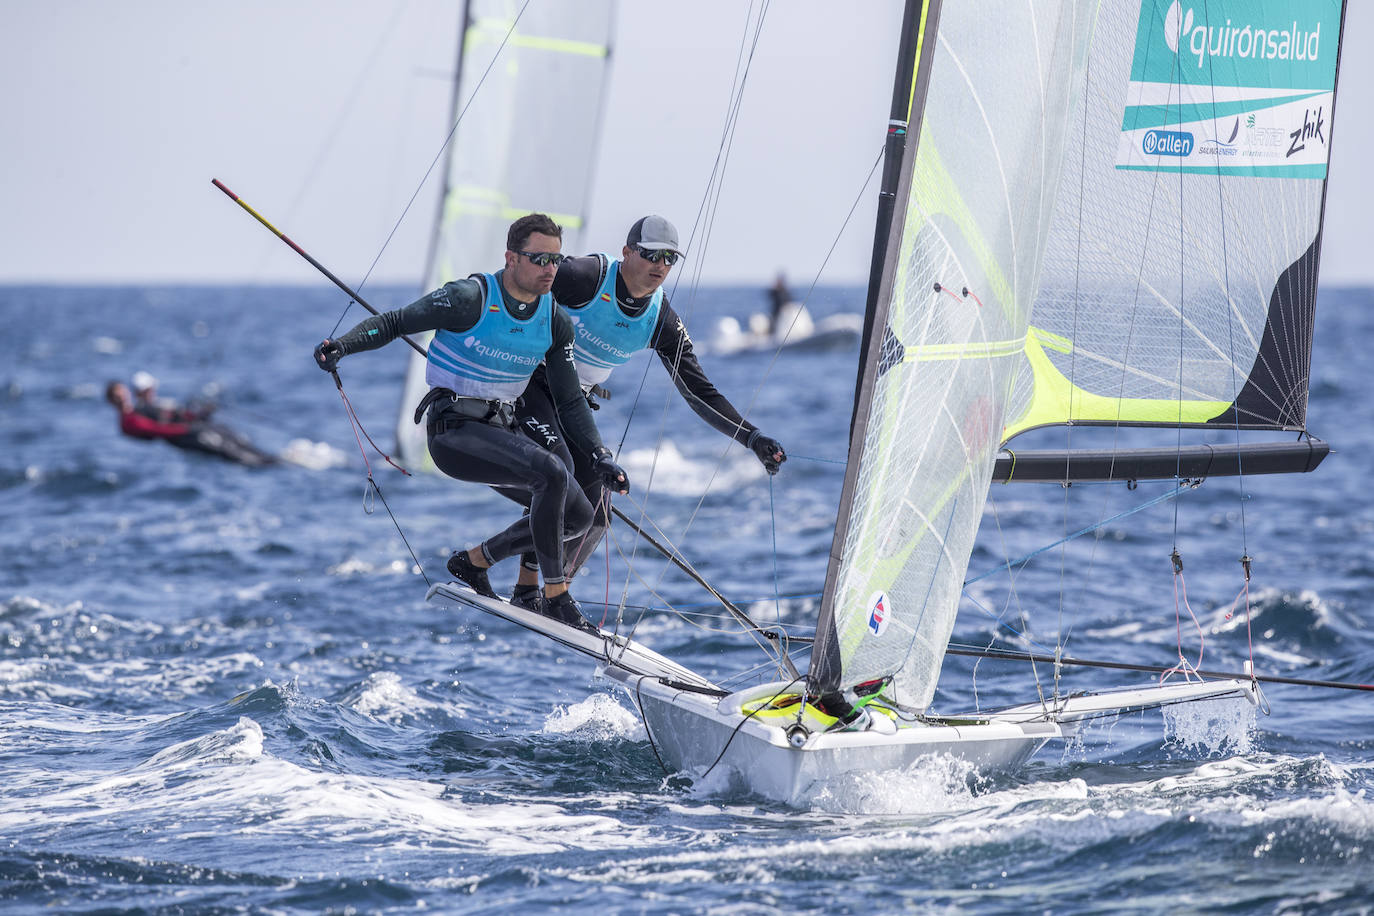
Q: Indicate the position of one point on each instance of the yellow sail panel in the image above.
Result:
(1056, 400)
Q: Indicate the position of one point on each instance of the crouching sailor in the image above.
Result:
(618, 308)
(491, 332)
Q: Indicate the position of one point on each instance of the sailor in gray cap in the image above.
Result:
(618, 308)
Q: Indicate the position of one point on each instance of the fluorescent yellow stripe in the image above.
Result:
(495, 30)
(471, 200)
(983, 349)
(916, 71)
(1056, 400)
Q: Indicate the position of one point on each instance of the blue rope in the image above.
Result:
(795, 457)
(1170, 494)
(997, 619)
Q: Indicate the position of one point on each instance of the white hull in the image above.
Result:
(695, 730)
(795, 329)
(695, 733)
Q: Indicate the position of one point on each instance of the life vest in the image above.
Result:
(495, 358)
(604, 337)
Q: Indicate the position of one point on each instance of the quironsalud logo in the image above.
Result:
(878, 613)
(1176, 23)
(1242, 32)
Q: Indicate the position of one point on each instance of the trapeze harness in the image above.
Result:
(479, 373)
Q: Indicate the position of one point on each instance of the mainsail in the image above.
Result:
(527, 102)
(1180, 281)
(1106, 213)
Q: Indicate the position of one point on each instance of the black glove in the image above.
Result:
(327, 355)
(768, 450)
(611, 474)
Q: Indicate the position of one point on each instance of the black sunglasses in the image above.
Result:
(543, 258)
(653, 257)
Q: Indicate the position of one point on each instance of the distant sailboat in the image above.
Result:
(554, 61)
(1106, 213)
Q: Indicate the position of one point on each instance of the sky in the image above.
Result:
(325, 116)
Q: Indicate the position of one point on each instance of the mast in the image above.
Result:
(919, 19)
(897, 132)
(432, 257)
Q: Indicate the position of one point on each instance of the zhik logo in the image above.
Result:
(1311, 129)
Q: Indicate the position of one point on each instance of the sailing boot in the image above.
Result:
(465, 571)
(565, 609)
(528, 597)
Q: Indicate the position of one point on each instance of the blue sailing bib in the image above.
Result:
(494, 358)
(604, 336)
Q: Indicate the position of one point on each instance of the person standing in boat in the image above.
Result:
(149, 417)
(619, 308)
(778, 296)
(491, 331)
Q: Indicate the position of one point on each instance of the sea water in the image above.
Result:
(221, 688)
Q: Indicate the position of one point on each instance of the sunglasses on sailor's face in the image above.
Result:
(543, 258)
(653, 257)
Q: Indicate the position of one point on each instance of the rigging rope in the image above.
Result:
(1183, 487)
(438, 155)
(372, 483)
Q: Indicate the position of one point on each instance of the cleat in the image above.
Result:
(474, 577)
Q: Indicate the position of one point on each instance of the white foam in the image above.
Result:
(675, 474)
(227, 780)
(317, 456)
(383, 696)
(936, 783)
(239, 743)
(355, 566)
(1211, 726)
(597, 718)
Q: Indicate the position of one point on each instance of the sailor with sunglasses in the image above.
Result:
(491, 332)
(618, 308)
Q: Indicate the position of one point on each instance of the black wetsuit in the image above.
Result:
(488, 451)
(193, 431)
(576, 284)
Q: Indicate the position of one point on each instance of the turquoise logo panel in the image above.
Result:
(1237, 86)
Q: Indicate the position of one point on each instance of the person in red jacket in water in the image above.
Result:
(185, 428)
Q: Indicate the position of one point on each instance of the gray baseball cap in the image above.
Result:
(654, 233)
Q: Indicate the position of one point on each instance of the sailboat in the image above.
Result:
(1092, 214)
(549, 57)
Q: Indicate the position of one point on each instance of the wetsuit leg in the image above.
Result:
(580, 549)
(481, 453)
(537, 417)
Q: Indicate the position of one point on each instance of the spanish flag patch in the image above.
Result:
(494, 308)
(605, 297)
